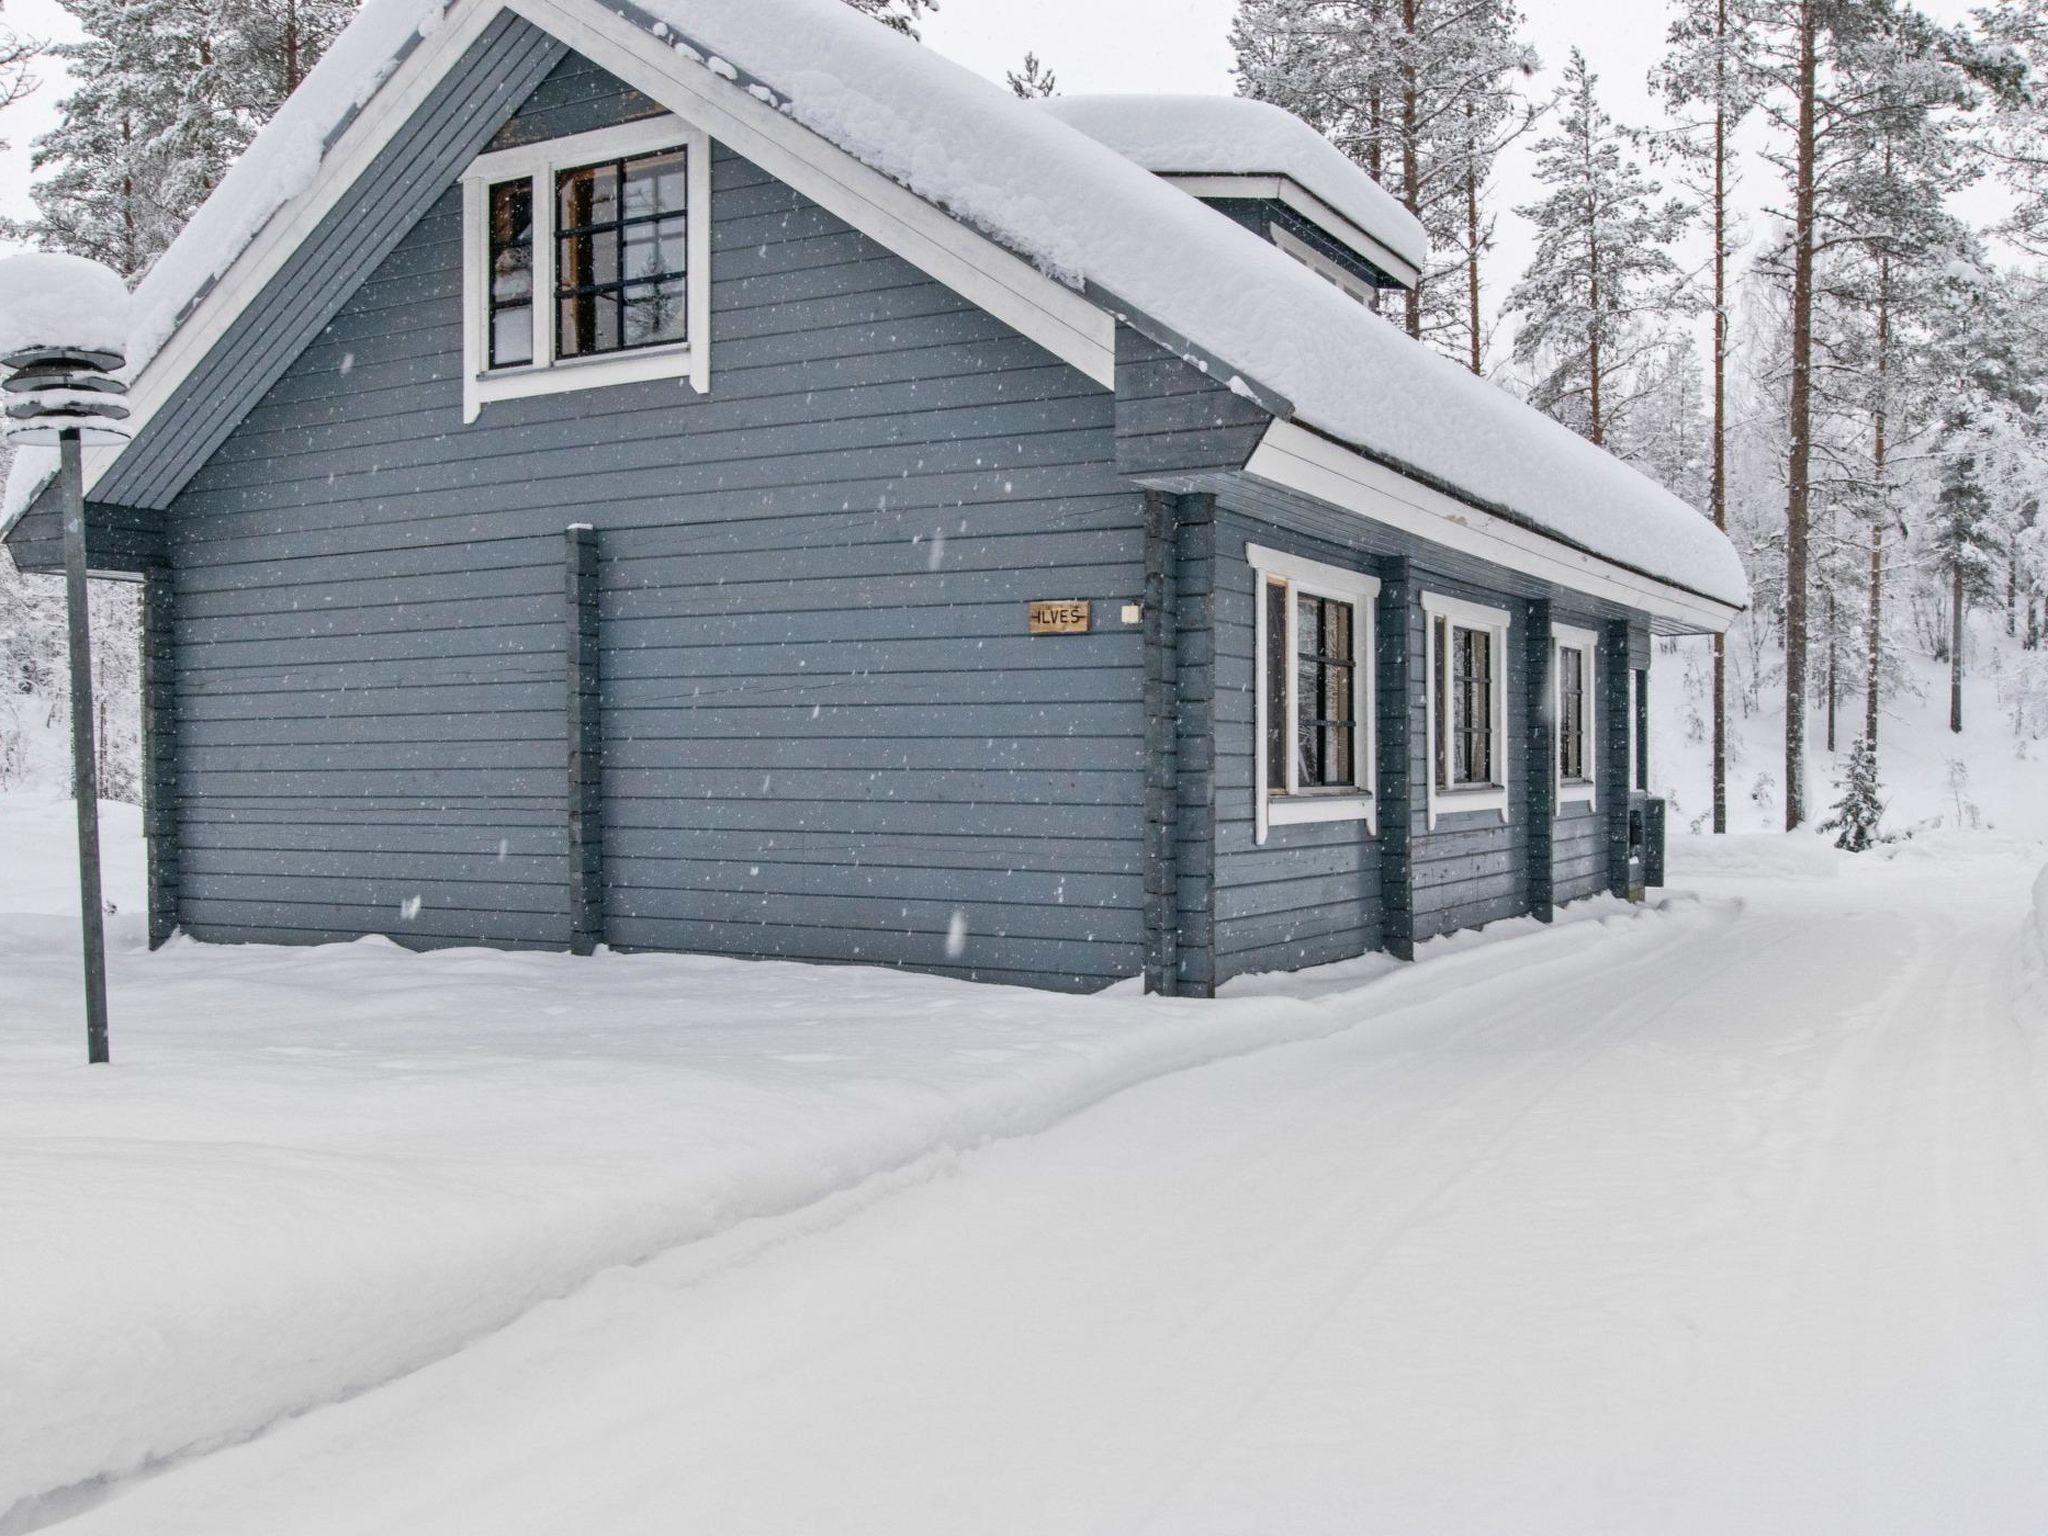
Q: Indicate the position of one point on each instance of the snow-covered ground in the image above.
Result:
(1731, 1213)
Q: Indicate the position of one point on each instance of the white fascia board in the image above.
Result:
(1290, 193)
(374, 125)
(1296, 459)
(1064, 322)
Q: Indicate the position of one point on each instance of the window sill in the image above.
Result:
(1301, 810)
(1453, 802)
(1578, 792)
(639, 366)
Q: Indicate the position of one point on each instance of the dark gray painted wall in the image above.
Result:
(1314, 893)
(825, 730)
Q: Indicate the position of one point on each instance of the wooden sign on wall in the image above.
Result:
(1059, 616)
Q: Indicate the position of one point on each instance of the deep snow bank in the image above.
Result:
(311, 1170)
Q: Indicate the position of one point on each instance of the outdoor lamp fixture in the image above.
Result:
(63, 332)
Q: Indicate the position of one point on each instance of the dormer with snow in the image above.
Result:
(1269, 171)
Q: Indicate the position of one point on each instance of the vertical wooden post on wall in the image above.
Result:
(1399, 794)
(1540, 801)
(1615, 767)
(586, 746)
(1195, 747)
(1162, 779)
(85, 786)
(160, 749)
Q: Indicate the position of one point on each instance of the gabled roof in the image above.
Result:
(1087, 218)
(1229, 136)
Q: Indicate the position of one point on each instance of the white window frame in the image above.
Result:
(1353, 802)
(689, 360)
(1448, 800)
(1567, 637)
(1352, 285)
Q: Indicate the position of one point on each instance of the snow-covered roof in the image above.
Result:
(1231, 136)
(1083, 214)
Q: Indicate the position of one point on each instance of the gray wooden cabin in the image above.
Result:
(763, 637)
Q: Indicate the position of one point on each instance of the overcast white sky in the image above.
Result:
(1130, 45)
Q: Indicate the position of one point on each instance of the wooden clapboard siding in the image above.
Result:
(825, 731)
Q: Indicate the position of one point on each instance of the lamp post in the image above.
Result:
(63, 332)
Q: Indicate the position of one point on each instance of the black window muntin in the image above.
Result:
(604, 302)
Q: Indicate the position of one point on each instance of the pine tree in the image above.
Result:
(1601, 284)
(165, 95)
(1859, 811)
(1034, 80)
(1424, 95)
(898, 15)
(17, 59)
(1802, 65)
(1709, 64)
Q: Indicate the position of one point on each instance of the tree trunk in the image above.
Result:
(1834, 668)
(1411, 156)
(1800, 421)
(1873, 659)
(1720, 447)
(1472, 268)
(1955, 649)
(292, 72)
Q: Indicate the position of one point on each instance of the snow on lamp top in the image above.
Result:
(63, 330)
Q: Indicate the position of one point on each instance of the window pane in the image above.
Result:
(588, 323)
(622, 247)
(656, 312)
(656, 249)
(587, 196)
(654, 184)
(511, 214)
(511, 335)
(1276, 686)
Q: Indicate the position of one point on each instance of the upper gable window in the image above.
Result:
(587, 262)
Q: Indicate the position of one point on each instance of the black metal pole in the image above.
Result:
(84, 758)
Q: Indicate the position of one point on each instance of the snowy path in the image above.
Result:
(1736, 1221)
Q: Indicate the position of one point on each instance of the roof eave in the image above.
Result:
(1300, 458)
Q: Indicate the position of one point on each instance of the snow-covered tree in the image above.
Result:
(17, 58)
(1707, 76)
(165, 95)
(1423, 94)
(899, 15)
(1034, 80)
(1602, 284)
(1858, 811)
